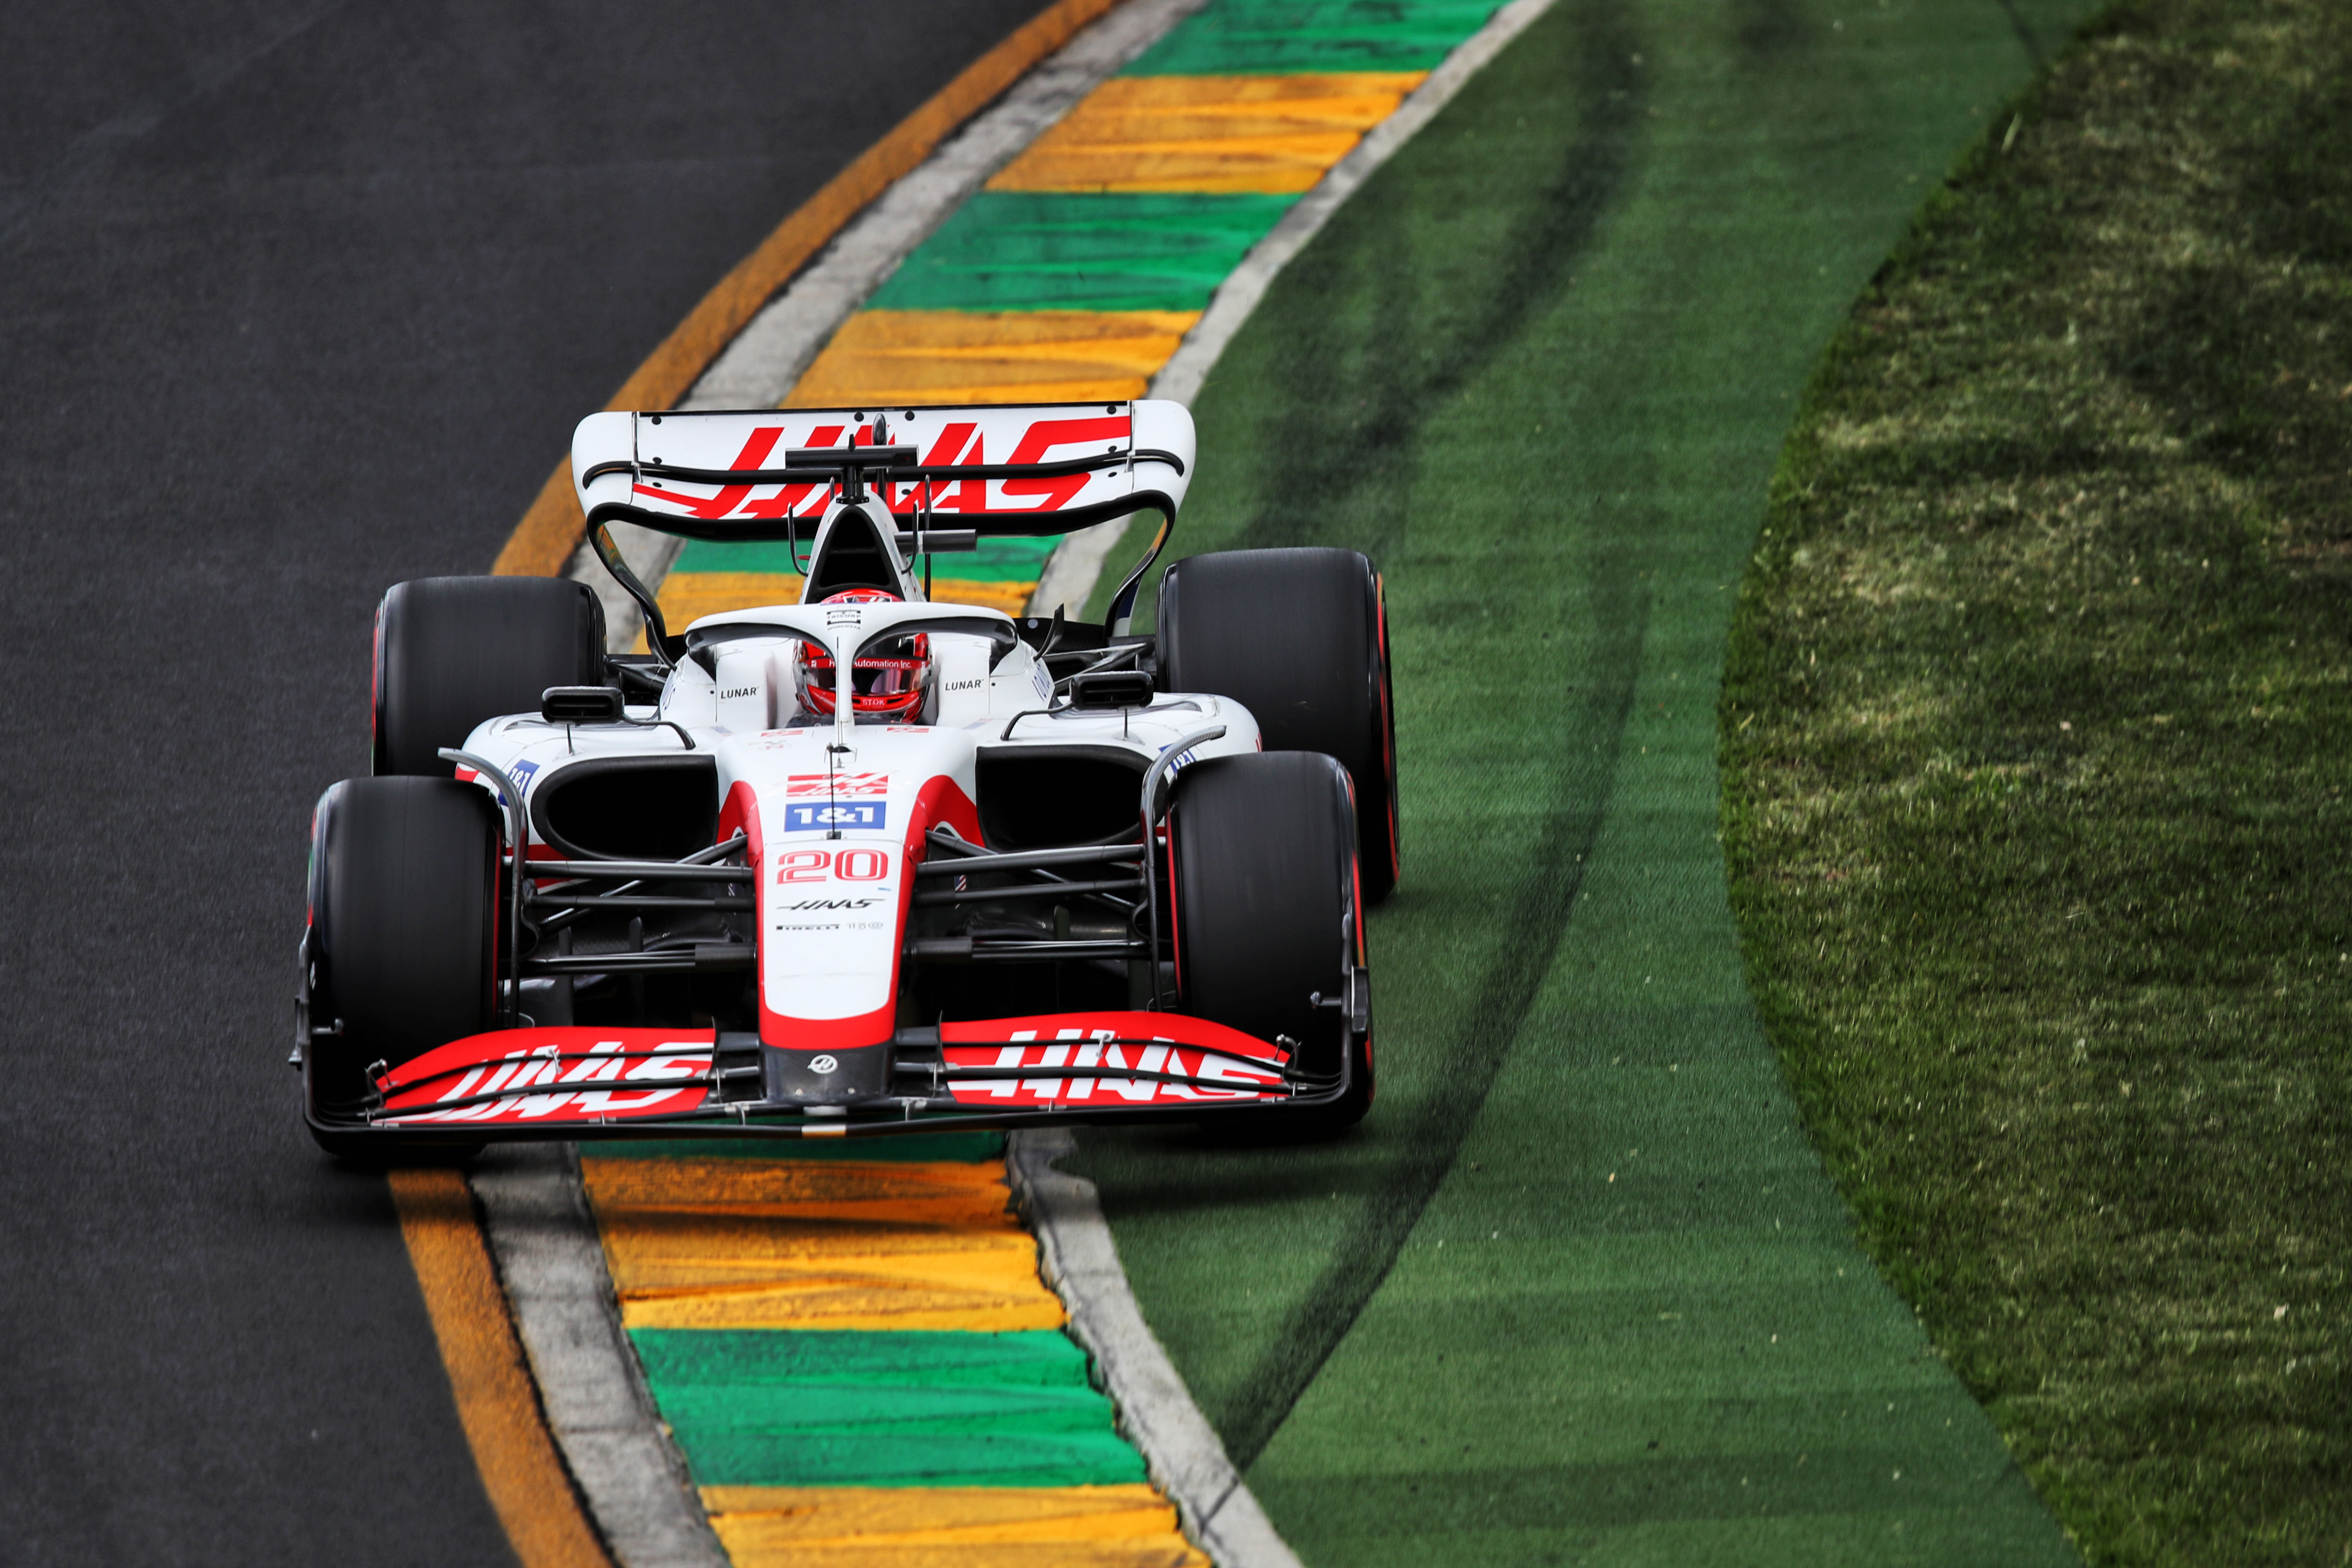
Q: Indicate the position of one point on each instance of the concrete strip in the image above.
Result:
(759, 368)
(552, 1265)
(1156, 1412)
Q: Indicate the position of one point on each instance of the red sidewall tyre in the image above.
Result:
(1264, 904)
(1299, 638)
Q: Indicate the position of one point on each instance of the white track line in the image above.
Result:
(759, 368)
(1183, 376)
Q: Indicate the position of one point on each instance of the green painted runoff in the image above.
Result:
(1579, 1289)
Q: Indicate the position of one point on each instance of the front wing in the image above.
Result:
(539, 1084)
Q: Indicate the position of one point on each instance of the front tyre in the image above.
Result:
(402, 948)
(1299, 638)
(1265, 914)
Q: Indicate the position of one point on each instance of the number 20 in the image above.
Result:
(849, 865)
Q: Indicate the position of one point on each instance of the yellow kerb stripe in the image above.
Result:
(971, 356)
(1208, 133)
(686, 597)
(907, 1527)
(1010, 597)
(488, 1375)
(745, 1244)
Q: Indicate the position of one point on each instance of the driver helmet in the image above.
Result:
(891, 678)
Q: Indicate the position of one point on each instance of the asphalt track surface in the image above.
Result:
(299, 301)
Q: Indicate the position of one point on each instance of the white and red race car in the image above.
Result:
(864, 863)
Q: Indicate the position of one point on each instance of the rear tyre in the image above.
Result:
(1264, 897)
(453, 651)
(1299, 638)
(402, 948)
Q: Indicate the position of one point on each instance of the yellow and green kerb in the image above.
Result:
(1077, 271)
(858, 1360)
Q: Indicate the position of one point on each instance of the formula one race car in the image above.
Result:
(864, 863)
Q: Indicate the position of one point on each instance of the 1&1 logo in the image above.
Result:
(859, 816)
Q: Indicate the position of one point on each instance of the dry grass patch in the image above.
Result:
(2035, 735)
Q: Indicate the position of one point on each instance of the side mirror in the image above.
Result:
(1111, 688)
(581, 705)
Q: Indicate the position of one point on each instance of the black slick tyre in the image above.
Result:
(1263, 890)
(401, 952)
(453, 651)
(1299, 638)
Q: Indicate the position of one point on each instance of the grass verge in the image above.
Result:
(2032, 739)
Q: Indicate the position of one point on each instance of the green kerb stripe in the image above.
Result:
(996, 560)
(1022, 250)
(1284, 37)
(831, 1408)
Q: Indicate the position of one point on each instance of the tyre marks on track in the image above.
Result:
(1513, 974)
(1630, 1323)
(1347, 491)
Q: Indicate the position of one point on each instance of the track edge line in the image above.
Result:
(1236, 298)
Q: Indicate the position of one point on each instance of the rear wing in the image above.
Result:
(950, 476)
(1013, 469)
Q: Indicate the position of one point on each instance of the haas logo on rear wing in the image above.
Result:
(1026, 469)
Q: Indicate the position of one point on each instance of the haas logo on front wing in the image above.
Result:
(1088, 1072)
(607, 1080)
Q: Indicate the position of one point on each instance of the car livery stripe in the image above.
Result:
(1076, 272)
